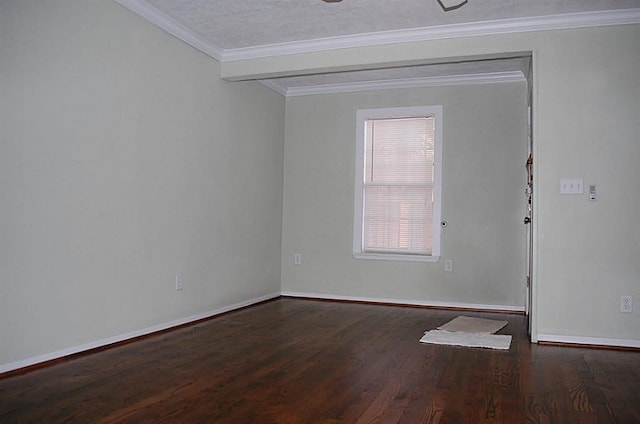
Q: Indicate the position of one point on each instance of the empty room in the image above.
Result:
(281, 211)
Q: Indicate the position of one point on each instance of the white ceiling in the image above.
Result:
(228, 29)
(232, 24)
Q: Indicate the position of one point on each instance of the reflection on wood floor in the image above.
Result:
(306, 361)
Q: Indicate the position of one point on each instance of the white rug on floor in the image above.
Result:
(456, 338)
(469, 332)
(473, 325)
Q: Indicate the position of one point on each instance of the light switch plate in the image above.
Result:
(571, 186)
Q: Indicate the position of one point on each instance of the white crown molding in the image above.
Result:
(496, 27)
(12, 366)
(588, 341)
(434, 304)
(275, 87)
(173, 27)
(449, 80)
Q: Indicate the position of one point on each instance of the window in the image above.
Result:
(398, 183)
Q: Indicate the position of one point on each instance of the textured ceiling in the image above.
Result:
(229, 26)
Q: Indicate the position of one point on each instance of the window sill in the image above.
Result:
(396, 257)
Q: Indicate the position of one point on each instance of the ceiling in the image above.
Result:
(237, 29)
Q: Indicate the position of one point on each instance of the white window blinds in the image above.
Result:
(398, 194)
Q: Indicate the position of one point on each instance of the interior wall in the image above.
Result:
(122, 153)
(125, 160)
(585, 125)
(484, 151)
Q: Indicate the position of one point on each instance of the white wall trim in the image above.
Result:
(364, 115)
(413, 302)
(130, 335)
(171, 26)
(396, 257)
(447, 80)
(590, 341)
(474, 29)
(274, 86)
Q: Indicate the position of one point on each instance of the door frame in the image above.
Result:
(532, 227)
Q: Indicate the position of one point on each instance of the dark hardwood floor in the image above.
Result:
(305, 361)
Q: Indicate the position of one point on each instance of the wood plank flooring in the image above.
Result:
(306, 361)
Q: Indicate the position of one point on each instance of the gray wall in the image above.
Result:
(484, 151)
(587, 116)
(124, 159)
(586, 109)
(122, 154)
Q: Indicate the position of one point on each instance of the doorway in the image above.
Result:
(529, 208)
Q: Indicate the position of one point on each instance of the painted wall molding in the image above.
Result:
(162, 20)
(435, 304)
(475, 29)
(550, 338)
(447, 80)
(588, 341)
(12, 366)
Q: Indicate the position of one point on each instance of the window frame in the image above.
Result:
(363, 115)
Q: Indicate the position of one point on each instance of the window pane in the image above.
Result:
(399, 151)
(398, 183)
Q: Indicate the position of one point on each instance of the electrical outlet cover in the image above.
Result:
(448, 265)
(626, 304)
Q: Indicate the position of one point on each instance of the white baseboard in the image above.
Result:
(550, 338)
(588, 341)
(11, 366)
(413, 302)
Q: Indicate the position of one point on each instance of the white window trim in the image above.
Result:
(363, 115)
